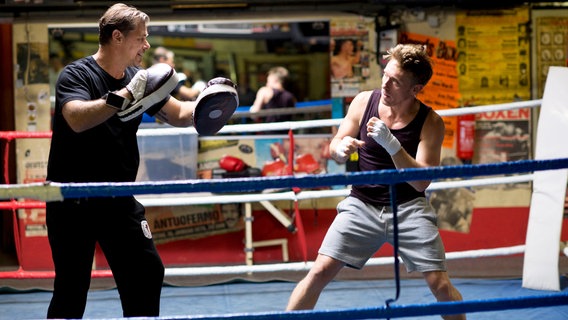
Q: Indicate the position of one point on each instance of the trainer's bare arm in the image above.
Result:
(177, 113)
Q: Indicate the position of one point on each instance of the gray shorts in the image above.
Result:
(359, 230)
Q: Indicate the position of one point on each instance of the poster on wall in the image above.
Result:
(502, 136)
(454, 208)
(493, 67)
(32, 107)
(171, 223)
(493, 55)
(350, 56)
(551, 47)
(265, 156)
(32, 112)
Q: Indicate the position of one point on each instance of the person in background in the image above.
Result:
(163, 55)
(99, 104)
(182, 91)
(390, 129)
(55, 66)
(273, 95)
(195, 82)
(246, 94)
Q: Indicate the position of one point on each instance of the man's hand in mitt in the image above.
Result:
(215, 105)
(149, 87)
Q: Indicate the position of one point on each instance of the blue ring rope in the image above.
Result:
(109, 189)
(402, 311)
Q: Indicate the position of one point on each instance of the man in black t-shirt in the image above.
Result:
(100, 101)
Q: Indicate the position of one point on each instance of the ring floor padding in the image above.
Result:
(339, 300)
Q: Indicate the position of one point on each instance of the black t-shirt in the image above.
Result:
(105, 153)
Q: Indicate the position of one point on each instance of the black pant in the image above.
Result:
(75, 226)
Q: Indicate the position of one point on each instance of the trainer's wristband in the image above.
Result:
(116, 101)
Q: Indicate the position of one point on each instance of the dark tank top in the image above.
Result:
(280, 99)
(374, 157)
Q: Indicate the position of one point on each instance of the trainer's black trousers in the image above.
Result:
(74, 227)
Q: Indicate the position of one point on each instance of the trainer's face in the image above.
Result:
(136, 43)
(397, 85)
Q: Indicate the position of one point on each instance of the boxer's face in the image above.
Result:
(136, 44)
(397, 84)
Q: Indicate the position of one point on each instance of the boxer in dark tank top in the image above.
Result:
(390, 129)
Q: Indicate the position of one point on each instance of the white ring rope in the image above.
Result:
(210, 198)
(283, 111)
(305, 266)
(490, 108)
(294, 125)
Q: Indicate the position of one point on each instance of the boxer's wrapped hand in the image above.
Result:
(379, 131)
(347, 146)
(149, 87)
(215, 105)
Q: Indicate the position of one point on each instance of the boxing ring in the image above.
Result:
(536, 171)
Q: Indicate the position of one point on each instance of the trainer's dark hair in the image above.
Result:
(121, 17)
(414, 59)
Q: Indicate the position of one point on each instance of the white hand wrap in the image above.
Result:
(341, 149)
(382, 135)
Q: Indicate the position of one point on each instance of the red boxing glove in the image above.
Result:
(275, 168)
(232, 164)
(306, 163)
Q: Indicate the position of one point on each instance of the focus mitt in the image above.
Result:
(214, 106)
(149, 87)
